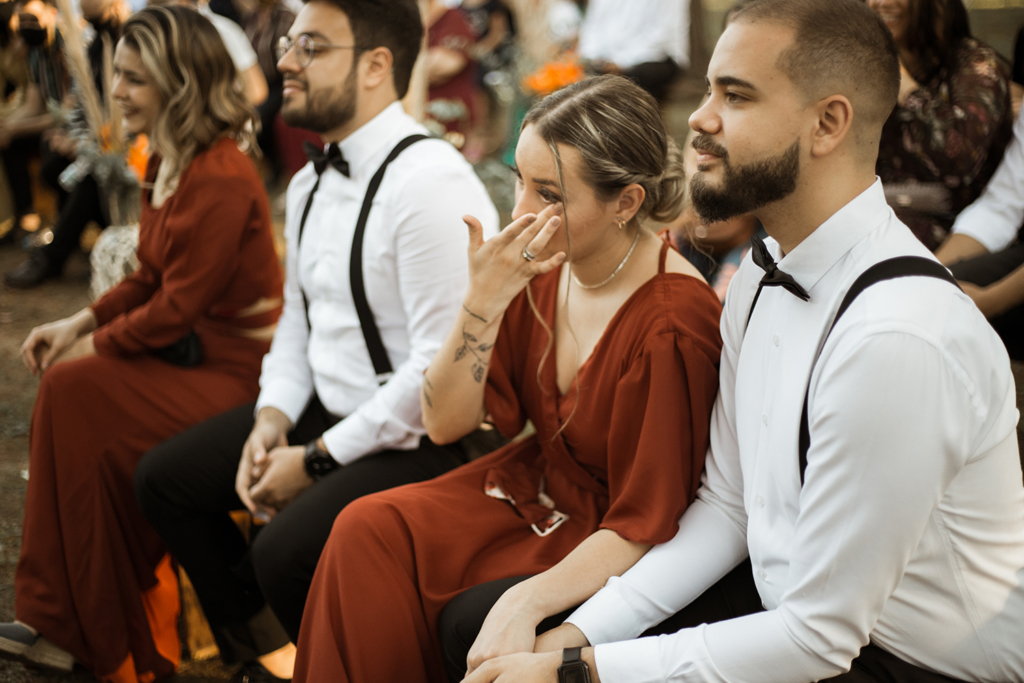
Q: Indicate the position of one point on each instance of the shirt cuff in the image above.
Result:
(989, 228)
(631, 661)
(355, 437)
(288, 397)
(608, 616)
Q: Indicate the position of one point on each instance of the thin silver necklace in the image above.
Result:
(615, 272)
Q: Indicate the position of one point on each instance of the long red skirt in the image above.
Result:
(396, 558)
(93, 577)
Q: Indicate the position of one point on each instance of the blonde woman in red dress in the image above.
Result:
(94, 584)
(580, 320)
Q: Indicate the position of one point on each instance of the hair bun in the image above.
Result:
(669, 191)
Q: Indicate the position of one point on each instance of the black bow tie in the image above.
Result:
(321, 160)
(772, 275)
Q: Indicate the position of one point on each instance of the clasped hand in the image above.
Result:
(58, 341)
(270, 473)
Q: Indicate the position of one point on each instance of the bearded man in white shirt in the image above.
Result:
(338, 415)
(895, 553)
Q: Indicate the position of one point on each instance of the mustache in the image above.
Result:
(704, 143)
(297, 81)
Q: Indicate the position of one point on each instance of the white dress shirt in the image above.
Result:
(635, 32)
(415, 270)
(996, 216)
(909, 528)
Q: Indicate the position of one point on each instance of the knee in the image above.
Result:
(370, 517)
(456, 633)
(277, 554)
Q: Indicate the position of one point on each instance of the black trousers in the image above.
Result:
(734, 596)
(989, 268)
(253, 595)
(81, 206)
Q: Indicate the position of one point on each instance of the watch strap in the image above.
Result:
(319, 462)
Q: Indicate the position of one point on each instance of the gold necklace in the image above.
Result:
(614, 272)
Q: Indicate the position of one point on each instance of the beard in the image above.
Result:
(326, 108)
(744, 188)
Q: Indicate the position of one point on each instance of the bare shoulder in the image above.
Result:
(676, 263)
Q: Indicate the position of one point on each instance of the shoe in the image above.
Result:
(32, 272)
(18, 643)
(254, 672)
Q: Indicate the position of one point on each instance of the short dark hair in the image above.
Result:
(394, 24)
(840, 47)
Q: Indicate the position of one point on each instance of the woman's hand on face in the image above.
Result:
(508, 629)
(499, 268)
(46, 342)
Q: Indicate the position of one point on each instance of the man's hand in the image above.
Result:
(522, 668)
(269, 432)
(283, 478)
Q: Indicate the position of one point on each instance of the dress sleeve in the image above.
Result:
(501, 395)
(658, 437)
(130, 293)
(955, 130)
(200, 247)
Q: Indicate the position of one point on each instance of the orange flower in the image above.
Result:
(554, 76)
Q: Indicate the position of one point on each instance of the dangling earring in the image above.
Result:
(621, 221)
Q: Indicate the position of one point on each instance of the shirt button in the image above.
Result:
(775, 340)
(760, 501)
(764, 419)
(764, 575)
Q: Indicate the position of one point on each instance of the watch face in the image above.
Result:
(575, 673)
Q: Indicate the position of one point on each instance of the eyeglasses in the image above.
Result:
(306, 48)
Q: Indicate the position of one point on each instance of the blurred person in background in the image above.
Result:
(21, 132)
(178, 341)
(82, 203)
(647, 41)
(451, 72)
(984, 250)
(952, 120)
(250, 75)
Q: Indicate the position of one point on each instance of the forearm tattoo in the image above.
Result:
(472, 346)
(427, 388)
(478, 317)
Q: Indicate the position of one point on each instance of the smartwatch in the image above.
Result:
(319, 462)
(573, 668)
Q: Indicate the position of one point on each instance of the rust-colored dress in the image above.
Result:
(93, 577)
(629, 460)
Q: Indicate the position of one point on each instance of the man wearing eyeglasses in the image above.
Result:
(338, 415)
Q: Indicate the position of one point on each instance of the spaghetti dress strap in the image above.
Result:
(665, 244)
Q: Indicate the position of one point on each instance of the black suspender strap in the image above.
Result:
(890, 269)
(374, 343)
(371, 334)
(298, 246)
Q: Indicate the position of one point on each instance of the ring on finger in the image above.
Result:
(527, 255)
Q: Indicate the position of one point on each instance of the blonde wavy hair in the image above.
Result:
(197, 80)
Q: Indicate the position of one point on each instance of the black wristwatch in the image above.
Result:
(319, 462)
(573, 668)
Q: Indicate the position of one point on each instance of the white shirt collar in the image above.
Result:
(834, 238)
(364, 143)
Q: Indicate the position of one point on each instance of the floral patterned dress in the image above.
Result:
(951, 131)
